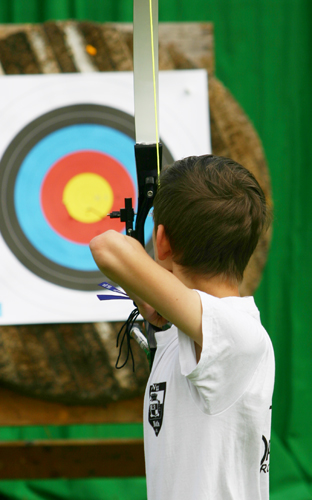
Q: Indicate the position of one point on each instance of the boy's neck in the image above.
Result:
(218, 286)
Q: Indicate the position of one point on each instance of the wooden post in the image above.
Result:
(54, 459)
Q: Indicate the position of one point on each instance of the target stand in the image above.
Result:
(73, 459)
(48, 248)
(52, 48)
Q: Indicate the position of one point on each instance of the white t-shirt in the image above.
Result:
(207, 426)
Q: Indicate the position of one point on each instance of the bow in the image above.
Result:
(148, 150)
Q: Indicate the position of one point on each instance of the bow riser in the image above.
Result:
(146, 157)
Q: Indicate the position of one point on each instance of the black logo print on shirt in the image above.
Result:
(264, 464)
(265, 460)
(157, 394)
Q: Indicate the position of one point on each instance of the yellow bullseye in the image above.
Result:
(88, 197)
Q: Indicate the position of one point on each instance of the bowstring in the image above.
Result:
(154, 89)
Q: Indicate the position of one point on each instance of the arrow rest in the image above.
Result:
(126, 215)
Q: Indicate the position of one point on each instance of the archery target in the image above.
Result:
(66, 160)
(60, 177)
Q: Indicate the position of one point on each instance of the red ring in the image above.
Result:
(59, 175)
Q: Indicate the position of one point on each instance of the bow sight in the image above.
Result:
(147, 179)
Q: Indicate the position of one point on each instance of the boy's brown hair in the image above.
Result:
(213, 211)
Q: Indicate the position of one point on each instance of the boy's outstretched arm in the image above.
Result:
(123, 260)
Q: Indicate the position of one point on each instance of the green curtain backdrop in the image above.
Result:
(263, 55)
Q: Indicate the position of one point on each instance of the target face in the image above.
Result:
(66, 161)
(60, 176)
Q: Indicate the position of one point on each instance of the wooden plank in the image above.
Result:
(194, 40)
(71, 459)
(11, 29)
(16, 409)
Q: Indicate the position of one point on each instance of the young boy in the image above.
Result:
(207, 408)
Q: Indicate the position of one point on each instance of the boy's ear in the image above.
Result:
(162, 243)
